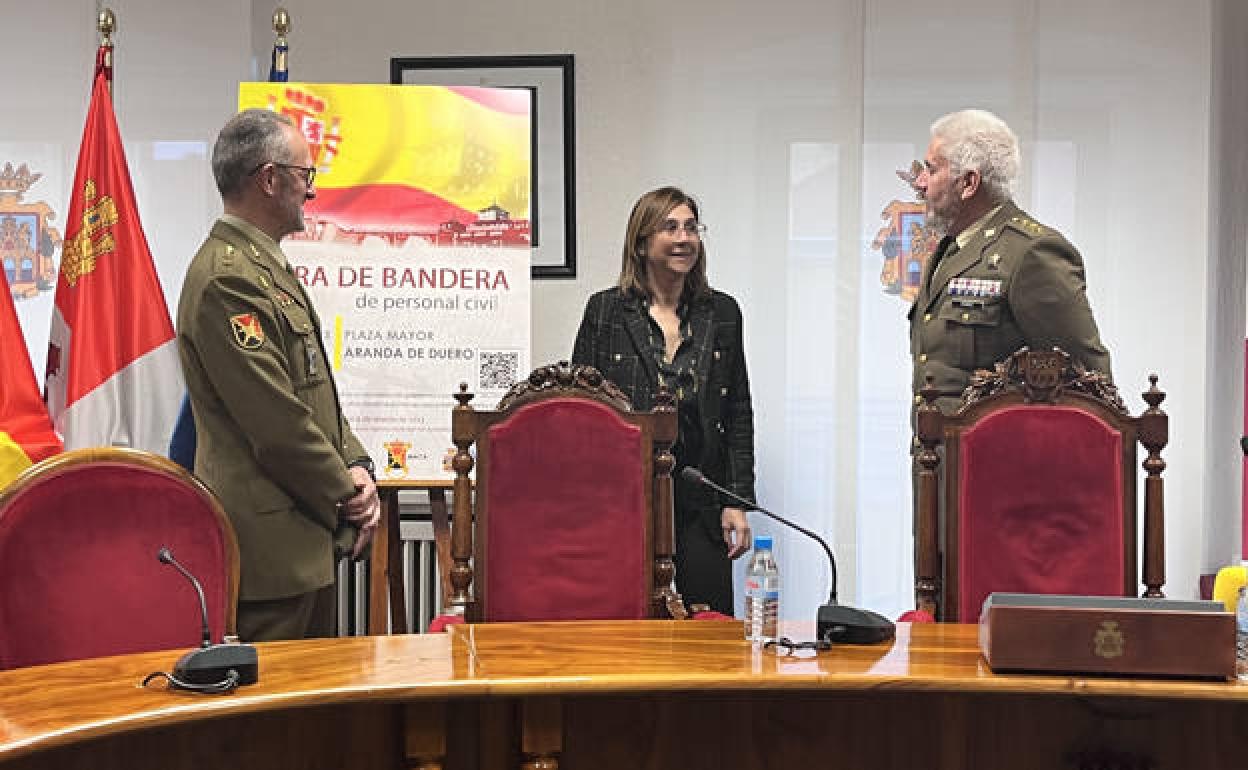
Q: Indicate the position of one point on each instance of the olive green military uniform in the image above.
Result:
(272, 441)
(1013, 282)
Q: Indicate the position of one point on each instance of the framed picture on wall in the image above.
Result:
(549, 78)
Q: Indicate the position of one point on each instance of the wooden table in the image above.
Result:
(650, 694)
(385, 582)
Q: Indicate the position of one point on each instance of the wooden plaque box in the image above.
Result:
(1107, 635)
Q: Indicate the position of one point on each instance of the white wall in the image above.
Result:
(177, 66)
(786, 120)
(1228, 228)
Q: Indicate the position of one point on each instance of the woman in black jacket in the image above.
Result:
(663, 325)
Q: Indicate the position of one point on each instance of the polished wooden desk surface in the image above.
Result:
(48, 706)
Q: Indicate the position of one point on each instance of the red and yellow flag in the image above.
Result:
(113, 376)
(26, 434)
(408, 156)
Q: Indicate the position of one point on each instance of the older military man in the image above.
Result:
(999, 280)
(272, 441)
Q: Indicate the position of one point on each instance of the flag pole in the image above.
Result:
(106, 22)
(279, 71)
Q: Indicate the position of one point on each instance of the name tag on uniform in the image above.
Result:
(974, 287)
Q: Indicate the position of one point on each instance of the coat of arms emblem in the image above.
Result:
(396, 458)
(1109, 641)
(906, 241)
(28, 243)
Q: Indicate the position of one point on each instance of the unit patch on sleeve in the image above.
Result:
(247, 331)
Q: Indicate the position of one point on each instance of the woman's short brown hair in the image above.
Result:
(648, 215)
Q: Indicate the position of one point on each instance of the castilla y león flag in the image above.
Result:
(113, 377)
(26, 434)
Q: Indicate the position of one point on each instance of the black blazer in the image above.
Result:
(614, 338)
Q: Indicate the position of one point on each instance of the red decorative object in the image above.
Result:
(1039, 488)
(572, 516)
(79, 577)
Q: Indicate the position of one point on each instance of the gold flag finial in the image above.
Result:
(107, 24)
(281, 22)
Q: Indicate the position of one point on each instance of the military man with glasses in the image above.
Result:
(273, 443)
(999, 280)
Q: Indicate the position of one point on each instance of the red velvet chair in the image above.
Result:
(79, 575)
(1039, 492)
(572, 516)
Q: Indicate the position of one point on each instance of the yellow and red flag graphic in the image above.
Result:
(113, 377)
(411, 159)
(26, 434)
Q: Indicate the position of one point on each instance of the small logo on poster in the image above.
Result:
(396, 458)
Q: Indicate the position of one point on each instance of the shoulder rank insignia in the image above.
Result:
(1029, 226)
(247, 331)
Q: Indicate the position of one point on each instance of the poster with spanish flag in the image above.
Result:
(416, 252)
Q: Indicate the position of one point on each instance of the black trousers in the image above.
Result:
(703, 569)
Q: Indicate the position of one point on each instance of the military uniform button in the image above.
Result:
(922, 358)
(918, 400)
(717, 355)
(307, 327)
(617, 356)
(966, 316)
(989, 233)
(927, 317)
(723, 391)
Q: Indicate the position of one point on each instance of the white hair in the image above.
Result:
(977, 140)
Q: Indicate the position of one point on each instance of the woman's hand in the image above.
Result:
(736, 529)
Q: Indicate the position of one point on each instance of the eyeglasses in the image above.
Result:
(671, 228)
(309, 172)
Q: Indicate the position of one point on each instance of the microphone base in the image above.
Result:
(846, 625)
(210, 665)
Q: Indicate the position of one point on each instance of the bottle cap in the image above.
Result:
(762, 542)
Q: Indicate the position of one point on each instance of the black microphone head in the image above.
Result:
(690, 473)
(165, 556)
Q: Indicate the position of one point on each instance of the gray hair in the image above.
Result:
(248, 140)
(977, 140)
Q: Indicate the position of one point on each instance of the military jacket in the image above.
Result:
(1016, 283)
(272, 441)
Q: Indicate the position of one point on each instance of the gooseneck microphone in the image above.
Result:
(833, 622)
(166, 557)
(210, 668)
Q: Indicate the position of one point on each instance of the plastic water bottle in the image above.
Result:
(1241, 633)
(762, 593)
